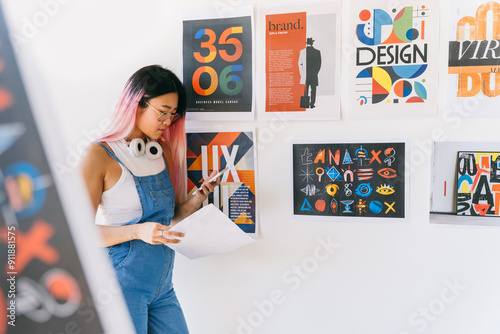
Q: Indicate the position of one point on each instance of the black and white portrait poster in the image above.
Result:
(218, 64)
(299, 61)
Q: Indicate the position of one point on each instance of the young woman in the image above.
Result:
(136, 176)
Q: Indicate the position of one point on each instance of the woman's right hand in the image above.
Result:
(155, 233)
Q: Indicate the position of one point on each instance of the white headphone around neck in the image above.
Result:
(152, 149)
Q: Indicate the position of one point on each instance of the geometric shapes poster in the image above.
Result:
(218, 64)
(350, 180)
(394, 68)
(299, 61)
(236, 194)
(473, 69)
(478, 184)
(43, 288)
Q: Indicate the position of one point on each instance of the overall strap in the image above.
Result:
(114, 157)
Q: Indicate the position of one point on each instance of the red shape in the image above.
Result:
(320, 205)
(378, 89)
(365, 15)
(5, 99)
(414, 99)
(481, 209)
(392, 39)
(398, 16)
(33, 244)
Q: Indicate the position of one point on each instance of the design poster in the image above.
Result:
(393, 71)
(301, 55)
(235, 196)
(43, 288)
(218, 66)
(473, 67)
(349, 180)
(478, 180)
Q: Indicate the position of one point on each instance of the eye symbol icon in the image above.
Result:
(387, 173)
(385, 189)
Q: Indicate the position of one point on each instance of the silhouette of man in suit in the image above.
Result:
(310, 63)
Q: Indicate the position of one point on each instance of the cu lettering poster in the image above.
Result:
(218, 64)
(465, 183)
(43, 288)
(473, 67)
(393, 64)
(478, 180)
(350, 180)
(299, 60)
(236, 194)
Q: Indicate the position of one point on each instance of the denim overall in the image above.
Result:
(144, 270)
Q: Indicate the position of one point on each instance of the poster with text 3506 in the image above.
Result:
(218, 65)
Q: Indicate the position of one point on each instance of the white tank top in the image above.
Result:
(121, 203)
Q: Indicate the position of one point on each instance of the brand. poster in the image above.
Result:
(218, 64)
(393, 71)
(43, 286)
(299, 60)
(473, 67)
(236, 194)
(350, 180)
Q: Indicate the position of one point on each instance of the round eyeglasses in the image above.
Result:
(163, 116)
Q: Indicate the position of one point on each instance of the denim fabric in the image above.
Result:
(144, 270)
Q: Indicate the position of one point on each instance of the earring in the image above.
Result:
(153, 150)
(137, 147)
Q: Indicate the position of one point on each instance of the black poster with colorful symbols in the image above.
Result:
(42, 285)
(349, 180)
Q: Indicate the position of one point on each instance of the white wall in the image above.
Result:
(382, 277)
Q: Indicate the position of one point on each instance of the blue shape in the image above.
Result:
(334, 174)
(199, 33)
(361, 150)
(463, 178)
(9, 133)
(380, 18)
(364, 74)
(347, 158)
(420, 90)
(412, 34)
(306, 206)
(39, 193)
(364, 190)
(375, 207)
(409, 71)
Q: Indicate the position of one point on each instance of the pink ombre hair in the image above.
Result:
(145, 84)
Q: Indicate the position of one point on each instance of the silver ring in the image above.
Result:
(161, 233)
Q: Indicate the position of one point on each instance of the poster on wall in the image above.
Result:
(43, 287)
(350, 180)
(393, 70)
(218, 64)
(299, 61)
(464, 183)
(478, 184)
(473, 69)
(236, 194)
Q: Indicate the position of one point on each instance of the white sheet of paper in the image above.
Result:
(208, 231)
